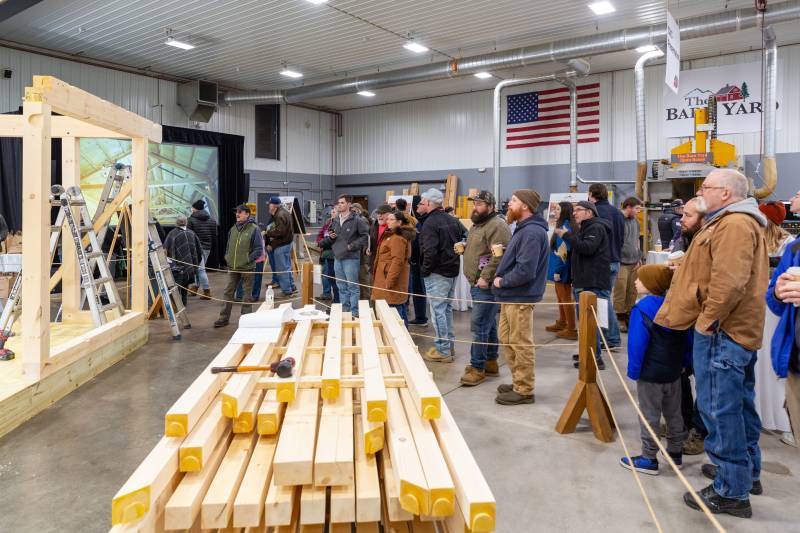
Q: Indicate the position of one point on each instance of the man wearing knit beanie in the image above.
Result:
(205, 227)
(519, 282)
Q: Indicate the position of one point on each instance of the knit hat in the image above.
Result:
(433, 195)
(199, 205)
(588, 205)
(656, 278)
(383, 209)
(775, 211)
(275, 200)
(529, 197)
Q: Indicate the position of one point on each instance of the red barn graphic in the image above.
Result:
(729, 93)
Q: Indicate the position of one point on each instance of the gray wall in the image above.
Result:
(305, 187)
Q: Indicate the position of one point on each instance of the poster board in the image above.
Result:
(552, 206)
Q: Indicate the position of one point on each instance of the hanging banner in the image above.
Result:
(673, 73)
(738, 92)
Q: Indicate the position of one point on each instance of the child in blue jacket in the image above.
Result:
(656, 357)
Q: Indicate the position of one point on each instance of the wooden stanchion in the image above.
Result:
(586, 394)
(307, 283)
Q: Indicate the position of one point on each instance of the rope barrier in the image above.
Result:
(236, 271)
(277, 300)
(653, 434)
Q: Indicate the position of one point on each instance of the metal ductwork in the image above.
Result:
(573, 133)
(769, 164)
(641, 129)
(559, 51)
(262, 97)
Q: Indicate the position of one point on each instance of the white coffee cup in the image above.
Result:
(795, 273)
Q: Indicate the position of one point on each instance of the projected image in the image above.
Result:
(178, 175)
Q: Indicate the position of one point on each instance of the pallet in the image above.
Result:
(363, 442)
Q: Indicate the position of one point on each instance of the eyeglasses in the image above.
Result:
(707, 187)
(578, 209)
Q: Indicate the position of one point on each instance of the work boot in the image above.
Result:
(710, 471)
(472, 376)
(601, 365)
(505, 387)
(694, 443)
(221, 323)
(491, 368)
(719, 504)
(514, 398)
(192, 290)
(558, 326)
(206, 294)
(435, 356)
(568, 334)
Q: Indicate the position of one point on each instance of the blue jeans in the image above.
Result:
(441, 310)
(483, 325)
(725, 380)
(601, 293)
(329, 283)
(612, 332)
(417, 286)
(256, 292)
(283, 262)
(347, 271)
(272, 267)
(201, 279)
(402, 310)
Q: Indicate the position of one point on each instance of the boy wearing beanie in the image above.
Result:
(656, 357)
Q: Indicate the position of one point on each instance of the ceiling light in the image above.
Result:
(602, 8)
(483, 75)
(317, 2)
(415, 47)
(646, 48)
(291, 73)
(366, 93)
(178, 44)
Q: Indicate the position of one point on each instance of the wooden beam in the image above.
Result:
(203, 439)
(139, 226)
(307, 283)
(368, 490)
(414, 493)
(391, 490)
(77, 103)
(374, 391)
(374, 438)
(217, 508)
(69, 127)
(184, 414)
(332, 362)
(392, 381)
(287, 391)
(426, 395)
(279, 504)
(35, 246)
(313, 502)
(270, 414)
(240, 387)
(70, 284)
(248, 507)
(246, 421)
(333, 462)
(12, 125)
(343, 503)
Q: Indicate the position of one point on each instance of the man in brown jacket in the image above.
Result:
(719, 289)
(479, 268)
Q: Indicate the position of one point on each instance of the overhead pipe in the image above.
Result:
(557, 51)
(769, 163)
(573, 133)
(641, 129)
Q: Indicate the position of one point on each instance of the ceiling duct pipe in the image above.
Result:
(573, 133)
(261, 97)
(641, 126)
(558, 51)
(770, 111)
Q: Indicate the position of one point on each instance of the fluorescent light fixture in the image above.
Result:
(289, 73)
(482, 75)
(602, 8)
(366, 93)
(415, 47)
(646, 48)
(178, 44)
(317, 2)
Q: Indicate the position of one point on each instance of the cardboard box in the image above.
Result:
(13, 244)
(6, 282)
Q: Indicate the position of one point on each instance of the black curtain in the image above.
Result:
(234, 184)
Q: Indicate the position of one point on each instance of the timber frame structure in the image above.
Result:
(54, 368)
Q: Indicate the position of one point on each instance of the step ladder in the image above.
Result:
(115, 178)
(167, 288)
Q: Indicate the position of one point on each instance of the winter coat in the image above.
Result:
(617, 221)
(631, 251)
(391, 265)
(523, 267)
(784, 340)
(416, 253)
(723, 277)
(325, 244)
(377, 232)
(590, 265)
(440, 233)
(669, 227)
(655, 354)
(245, 246)
(185, 247)
(3, 229)
(281, 231)
(558, 261)
(352, 236)
(205, 227)
(478, 258)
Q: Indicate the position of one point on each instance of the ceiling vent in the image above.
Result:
(198, 99)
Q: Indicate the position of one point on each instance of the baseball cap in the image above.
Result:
(275, 200)
(244, 208)
(485, 197)
(676, 203)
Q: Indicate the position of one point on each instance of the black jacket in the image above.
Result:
(440, 233)
(185, 247)
(416, 253)
(617, 225)
(4, 229)
(205, 227)
(591, 255)
(669, 227)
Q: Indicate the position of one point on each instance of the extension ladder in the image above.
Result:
(167, 288)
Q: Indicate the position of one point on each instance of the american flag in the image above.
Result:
(541, 118)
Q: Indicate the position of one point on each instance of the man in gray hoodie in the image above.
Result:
(348, 237)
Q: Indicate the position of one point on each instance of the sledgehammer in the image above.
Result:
(282, 368)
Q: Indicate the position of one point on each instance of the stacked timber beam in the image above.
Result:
(357, 439)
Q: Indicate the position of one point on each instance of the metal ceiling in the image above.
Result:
(243, 43)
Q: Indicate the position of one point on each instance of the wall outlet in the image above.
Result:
(7, 73)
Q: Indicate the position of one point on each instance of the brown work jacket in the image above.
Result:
(391, 265)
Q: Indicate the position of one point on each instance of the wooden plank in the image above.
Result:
(419, 526)
(279, 504)
(240, 387)
(12, 125)
(426, 395)
(77, 103)
(368, 490)
(343, 496)
(393, 381)
(270, 414)
(374, 391)
(374, 438)
(341, 528)
(248, 507)
(391, 490)
(287, 391)
(217, 508)
(153, 519)
(414, 493)
(246, 421)
(139, 225)
(292, 523)
(153, 475)
(203, 439)
(313, 502)
(72, 127)
(331, 363)
(370, 527)
(333, 461)
(184, 414)
(71, 285)
(473, 495)
(183, 508)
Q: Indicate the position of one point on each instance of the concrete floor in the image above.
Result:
(59, 471)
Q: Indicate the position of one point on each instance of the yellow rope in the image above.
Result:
(281, 300)
(236, 271)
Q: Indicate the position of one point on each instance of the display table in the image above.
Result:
(770, 389)
(657, 258)
(461, 291)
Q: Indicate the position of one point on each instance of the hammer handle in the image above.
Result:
(238, 369)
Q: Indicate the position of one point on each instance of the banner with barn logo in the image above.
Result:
(739, 99)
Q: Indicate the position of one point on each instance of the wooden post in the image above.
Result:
(36, 230)
(586, 394)
(307, 283)
(139, 219)
(70, 280)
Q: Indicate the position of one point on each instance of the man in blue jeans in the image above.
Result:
(598, 195)
(280, 235)
(719, 289)
(348, 236)
(480, 266)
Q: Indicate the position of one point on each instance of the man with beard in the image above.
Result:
(479, 268)
(518, 283)
(693, 213)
